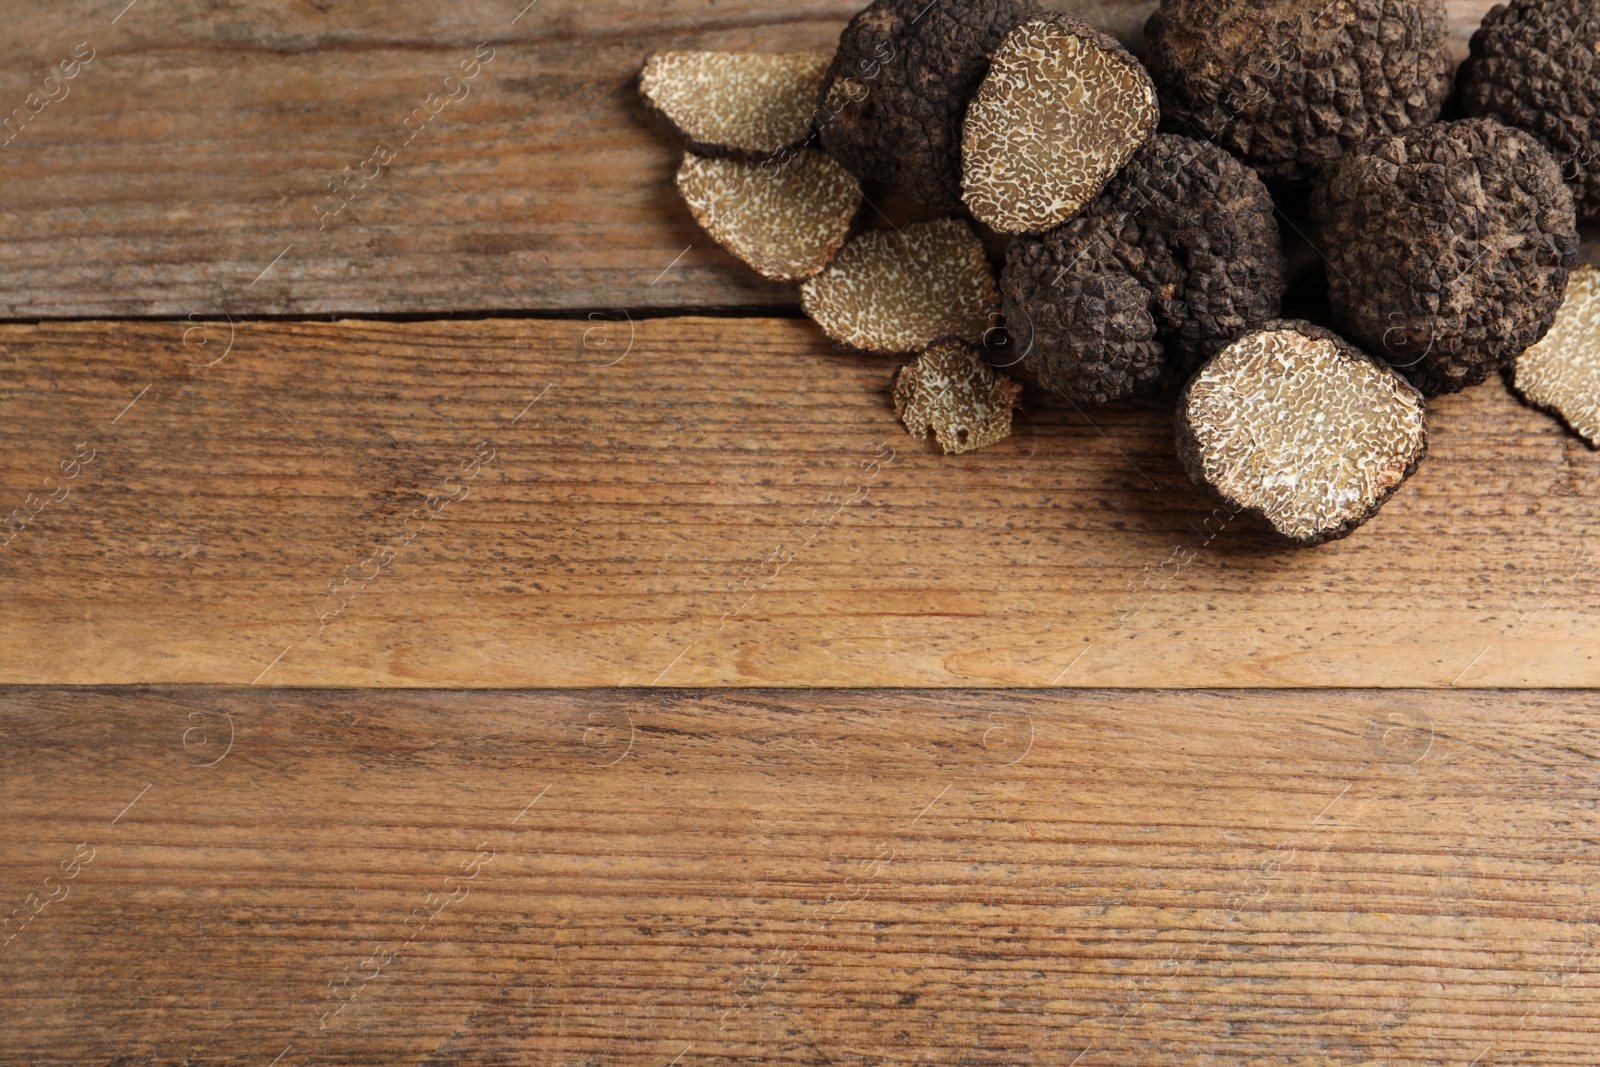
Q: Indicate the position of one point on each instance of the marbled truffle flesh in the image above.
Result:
(1447, 248)
(1294, 425)
(1289, 85)
(892, 291)
(952, 392)
(785, 219)
(735, 103)
(1561, 374)
(1175, 258)
(1062, 108)
(891, 105)
(1535, 65)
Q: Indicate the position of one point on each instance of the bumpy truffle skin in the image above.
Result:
(1447, 248)
(892, 103)
(1177, 255)
(1535, 64)
(1289, 85)
(1062, 109)
(1293, 424)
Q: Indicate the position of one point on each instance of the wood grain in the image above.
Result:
(715, 502)
(186, 170)
(925, 877)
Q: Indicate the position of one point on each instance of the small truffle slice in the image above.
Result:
(892, 291)
(1561, 374)
(785, 220)
(950, 390)
(1295, 425)
(735, 103)
(1063, 107)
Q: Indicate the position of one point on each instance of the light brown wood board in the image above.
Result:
(938, 877)
(702, 501)
(187, 169)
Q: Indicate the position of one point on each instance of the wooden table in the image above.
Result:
(488, 625)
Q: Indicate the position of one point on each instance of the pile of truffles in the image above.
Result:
(1142, 205)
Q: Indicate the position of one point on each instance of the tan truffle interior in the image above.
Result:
(741, 101)
(1310, 436)
(786, 219)
(1562, 371)
(1056, 116)
(952, 392)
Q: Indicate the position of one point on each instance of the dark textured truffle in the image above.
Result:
(1062, 108)
(1535, 64)
(1291, 423)
(1447, 248)
(892, 102)
(1177, 256)
(1289, 85)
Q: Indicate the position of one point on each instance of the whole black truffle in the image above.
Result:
(1535, 65)
(1176, 256)
(1289, 85)
(1447, 248)
(892, 102)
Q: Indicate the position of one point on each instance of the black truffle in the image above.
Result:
(735, 103)
(1447, 248)
(1172, 260)
(1293, 424)
(892, 102)
(1535, 65)
(1289, 85)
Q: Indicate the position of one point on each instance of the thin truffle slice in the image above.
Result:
(1561, 374)
(892, 291)
(1175, 258)
(950, 390)
(1447, 248)
(1063, 107)
(1535, 65)
(1293, 424)
(891, 105)
(1290, 85)
(785, 220)
(735, 103)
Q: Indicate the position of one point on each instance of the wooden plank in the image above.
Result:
(714, 502)
(717, 878)
(186, 169)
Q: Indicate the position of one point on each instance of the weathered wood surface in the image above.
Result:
(1097, 878)
(185, 170)
(714, 502)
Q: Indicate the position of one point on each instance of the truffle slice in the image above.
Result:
(1447, 248)
(893, 291)
(1175, 258)
(786, 220)
(1535, 64)
(1561, 374)
(950, 390)
(1290, 85)
(1062, 109)
(890, 108)
(1291, 423)
(735, 103)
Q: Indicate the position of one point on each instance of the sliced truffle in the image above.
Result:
(1535, 64)
(735, 103)
(950, 390)
(1447, 248)
(1062, 108)
(1561, 374)
(891, 106)
(785, 219)
(1293, 424)
(1290, 85)
(1174, 259)
(893, 291)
